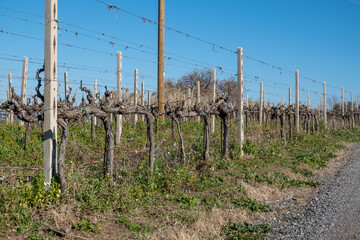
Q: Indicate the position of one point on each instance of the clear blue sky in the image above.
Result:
(321, 38)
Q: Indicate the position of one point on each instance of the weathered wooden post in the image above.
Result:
(297, 102)
(240, 102)
(118, 96)
(198, 97)
(213, 99)
(66, 82)
(325, 105)
(93, 119)
(135, 92)
(289, 96)
(24, 83)
(50, 91)
(342, 108)
(261, 104)
(142, 98)
(282, 100)
(352, 110)
(149, 100)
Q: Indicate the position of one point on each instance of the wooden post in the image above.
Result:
(198, 97)
(247, 100)
(135, 92)
(342, 107)
(24, 80)
(297, 102)
(213, 99)
(149, 100)
(161, 56)
(23, 83)
(261, 103)
(289, 95)
(50, 91)
(357, 105)
(118, 95)
(324, 105)
(282, 100)
(240, 102)
(331, 104)
(320, 107)
(66, 81)
(189, 95)
(95, 92)
(142, 98)
(8, 113)
(11, 114)
(352, 110)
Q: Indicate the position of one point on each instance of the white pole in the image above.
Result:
(135, 92)
(50, 91)
(261, 103)
(324, 105)
(240, 112)
(213, 99)
(297, 101)
(118, 95)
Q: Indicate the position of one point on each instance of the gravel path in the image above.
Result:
(333, 214)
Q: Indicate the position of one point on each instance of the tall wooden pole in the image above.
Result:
(161, 56)
(118, 95)
(240, 102)
(297, 122)
(135, 92)
(261, 103)
(324, 105)
(50, 91)
(213, 99)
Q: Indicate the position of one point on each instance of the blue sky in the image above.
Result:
(321, 38)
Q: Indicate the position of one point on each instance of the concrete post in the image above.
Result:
(325, 105)
(240, 102)
(297, 102)
(213, 99)
(24, 83)
(261, 104)
(118, 96)
(50, 91)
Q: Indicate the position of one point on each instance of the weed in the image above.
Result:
(250, 204)
(87, 225)
(133, 226)
(246, 231)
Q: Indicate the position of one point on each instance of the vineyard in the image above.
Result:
(205, 155)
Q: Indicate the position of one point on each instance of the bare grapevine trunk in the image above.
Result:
(282, 126)
(27, 133)
(182, 149)
(290, 126)
(225, 149)
(61, 160)
(150, 133)
(92, 127)
(109, 149)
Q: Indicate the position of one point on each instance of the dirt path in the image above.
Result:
(334, 213)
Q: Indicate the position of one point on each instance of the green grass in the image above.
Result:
(183, 189)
